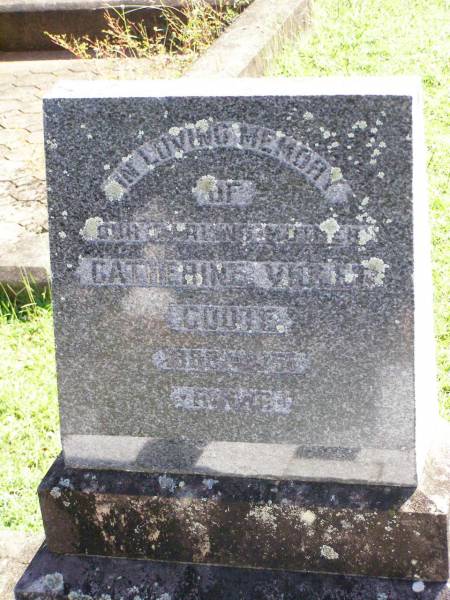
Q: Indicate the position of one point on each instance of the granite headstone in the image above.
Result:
(241, 278)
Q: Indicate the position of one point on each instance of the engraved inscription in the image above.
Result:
(223, 275)
(234, 361)
(141, 232)
(240, 136)
(210, 191)
(229, 319)
(231, 400)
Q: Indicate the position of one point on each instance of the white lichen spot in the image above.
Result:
(308, 517)
(280, 134)
(281, 328)
(382, 144)
(206, 184)
(181, 227)
(373, 161)
(165, 596)
(365, 201)
(349, 277)
(166, 114)
(378, 122)
(62, 235)
(126, 158)
(380, 175)
(328, 552)
(113, 190)
(179, 154)
(90, 229)
(166, 483)
(89, 136)
(330, 227)
(326, 134)
(418, 587)
(334, 144)
(54, 582)
(375, 268)
(189, 126)
(198, 279)
(174, 131)
(189, 279)
(196, 142)
(351, 135)
(209, 483)
(202, 125)
(83, 126)
(55, 492)
(335, 174)
(140, 133)
(308, 116)
(361, 124)
(52, 144)
(374, 130)
(366, 235)
(106, 167)
(382, 596)
(376, 152)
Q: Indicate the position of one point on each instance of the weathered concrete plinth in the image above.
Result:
(87, 577)
(230, 537)
(300, 526)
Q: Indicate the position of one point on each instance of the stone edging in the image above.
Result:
(246, 47)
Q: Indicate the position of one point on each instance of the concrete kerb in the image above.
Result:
(244, 49)
(247, 46)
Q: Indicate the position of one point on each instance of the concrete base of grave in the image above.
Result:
(58, 577)
(366, 530)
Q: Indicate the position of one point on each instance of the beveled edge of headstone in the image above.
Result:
(281, 86)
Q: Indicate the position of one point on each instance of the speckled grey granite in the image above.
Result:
(233, 268)
(54, 577)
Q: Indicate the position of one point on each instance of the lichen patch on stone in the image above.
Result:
(89, 231)
(328, 552)
(375, 269)
(330, 227)
(206, 184)
(113, 190)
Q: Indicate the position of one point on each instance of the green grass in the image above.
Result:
(29, 425)
(394, 37)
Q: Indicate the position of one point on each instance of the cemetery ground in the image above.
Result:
(370, 37)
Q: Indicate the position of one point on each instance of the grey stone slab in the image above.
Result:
(326, 527)
(241, 277)
(58, 577)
